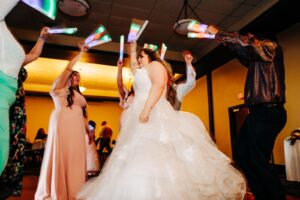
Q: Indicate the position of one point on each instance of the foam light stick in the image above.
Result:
(96, 34)
(62, 30)
(142, 29)
(200, 35)
(100, 36)
(197, 26)
(150, 46)
(163, 51)
(134, 29)
(102, 40)
(121, 48)
(47, 7)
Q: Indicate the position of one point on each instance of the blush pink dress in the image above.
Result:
(63, 170)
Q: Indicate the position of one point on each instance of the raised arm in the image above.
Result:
(132, 54)
(158, 76)
(185, 87)
(63, 79)
(121, 89)
(248, 47)
(38, 47)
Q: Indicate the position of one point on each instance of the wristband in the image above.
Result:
(42, 38)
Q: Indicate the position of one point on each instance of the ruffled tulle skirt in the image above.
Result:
(171, 157)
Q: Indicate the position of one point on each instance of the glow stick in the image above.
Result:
(47, 7)
(95, 35)
(62, 30)
(104, 39)
(150, 46)
(142, 29)
(197, 26)
(200, 35)
(121, 48)
(134, 29)
(192, 24)
(163, 51)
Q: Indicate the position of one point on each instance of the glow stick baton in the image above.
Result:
(150, 46)
(200, 35)
(121, 48)
(163, 51)
(142, 29)
(134, 29)
(104, 39)
(96, 35)
(47, 7)
(62, 30)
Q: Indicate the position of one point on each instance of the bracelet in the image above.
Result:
(42, 38)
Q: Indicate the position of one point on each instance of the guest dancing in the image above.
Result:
(183, 88)
(63, 169)
(12, 176)
(265, 97)
(12, 58)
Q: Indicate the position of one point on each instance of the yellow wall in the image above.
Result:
(197, 101)
(229, 79)
(290, 42)
(39, 109)
(227, 82)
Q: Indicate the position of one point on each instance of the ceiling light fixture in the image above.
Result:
(180, 26)
(74, 8)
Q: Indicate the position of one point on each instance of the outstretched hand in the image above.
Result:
(188, 57)
(44, 33)
(120, 64)
(83, 47)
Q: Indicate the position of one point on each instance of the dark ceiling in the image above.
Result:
(116, 15)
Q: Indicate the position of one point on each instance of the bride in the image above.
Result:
(162, 153)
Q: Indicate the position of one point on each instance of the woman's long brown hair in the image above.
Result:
(153, 56)
(71, 89)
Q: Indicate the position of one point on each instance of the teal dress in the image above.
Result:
(8, 88)
(12, 176)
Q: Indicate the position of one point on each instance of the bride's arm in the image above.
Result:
(158, 76)
(132, 55)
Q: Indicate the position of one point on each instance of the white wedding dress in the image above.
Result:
(171, 157)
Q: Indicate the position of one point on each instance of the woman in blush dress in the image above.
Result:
(63, 169)
(162, 153)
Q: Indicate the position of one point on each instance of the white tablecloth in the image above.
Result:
(292, 160)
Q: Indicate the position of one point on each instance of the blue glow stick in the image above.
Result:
(121, 48)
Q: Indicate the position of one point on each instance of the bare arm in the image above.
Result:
(120, 81)
(133, 61)
(158, 76)
(62, 82)
(38, 47)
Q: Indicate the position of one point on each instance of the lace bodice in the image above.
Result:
(142, 84)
